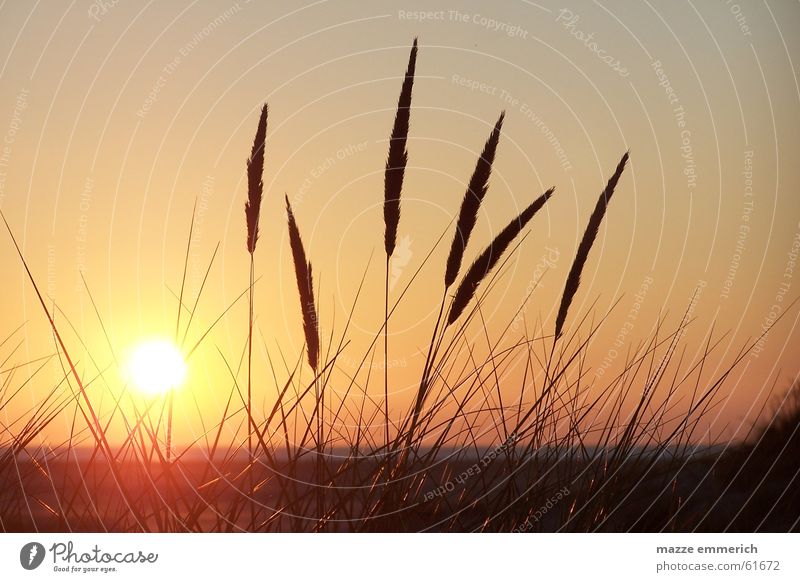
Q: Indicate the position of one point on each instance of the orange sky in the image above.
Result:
(118, 116)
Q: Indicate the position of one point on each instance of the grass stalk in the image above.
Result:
(252, 211)
(393, 185)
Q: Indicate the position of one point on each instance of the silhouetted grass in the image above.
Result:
(468, 215)
(574, 277)
(392, 189)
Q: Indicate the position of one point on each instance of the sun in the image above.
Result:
(156, 367)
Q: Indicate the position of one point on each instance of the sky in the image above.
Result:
(118, 118)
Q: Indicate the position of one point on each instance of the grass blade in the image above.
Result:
(472, 203)
(589, 235)
(487, 260)
(305, 288)
(398, 157)
(255, 185)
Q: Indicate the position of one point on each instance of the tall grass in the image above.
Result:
(507, 432)
(392, 188)
(482, 266)
(574, 277)
(252, 213)
(489, 258)
(468, 215)
(305, 289)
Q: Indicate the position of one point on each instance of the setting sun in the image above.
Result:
(156, 366)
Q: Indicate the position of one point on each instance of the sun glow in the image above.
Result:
(156, 367)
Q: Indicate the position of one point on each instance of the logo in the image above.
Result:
(400, 259)
(31, 555)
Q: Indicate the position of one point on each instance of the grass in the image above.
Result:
(393, 185)
(479, 448)
(252, 212)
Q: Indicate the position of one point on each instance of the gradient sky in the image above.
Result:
(117, 117)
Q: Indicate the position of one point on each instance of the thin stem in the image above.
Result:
(169, 452)
(386, 355)
(169, 426)
(319, 478)
(250, 393)
(425, 379)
